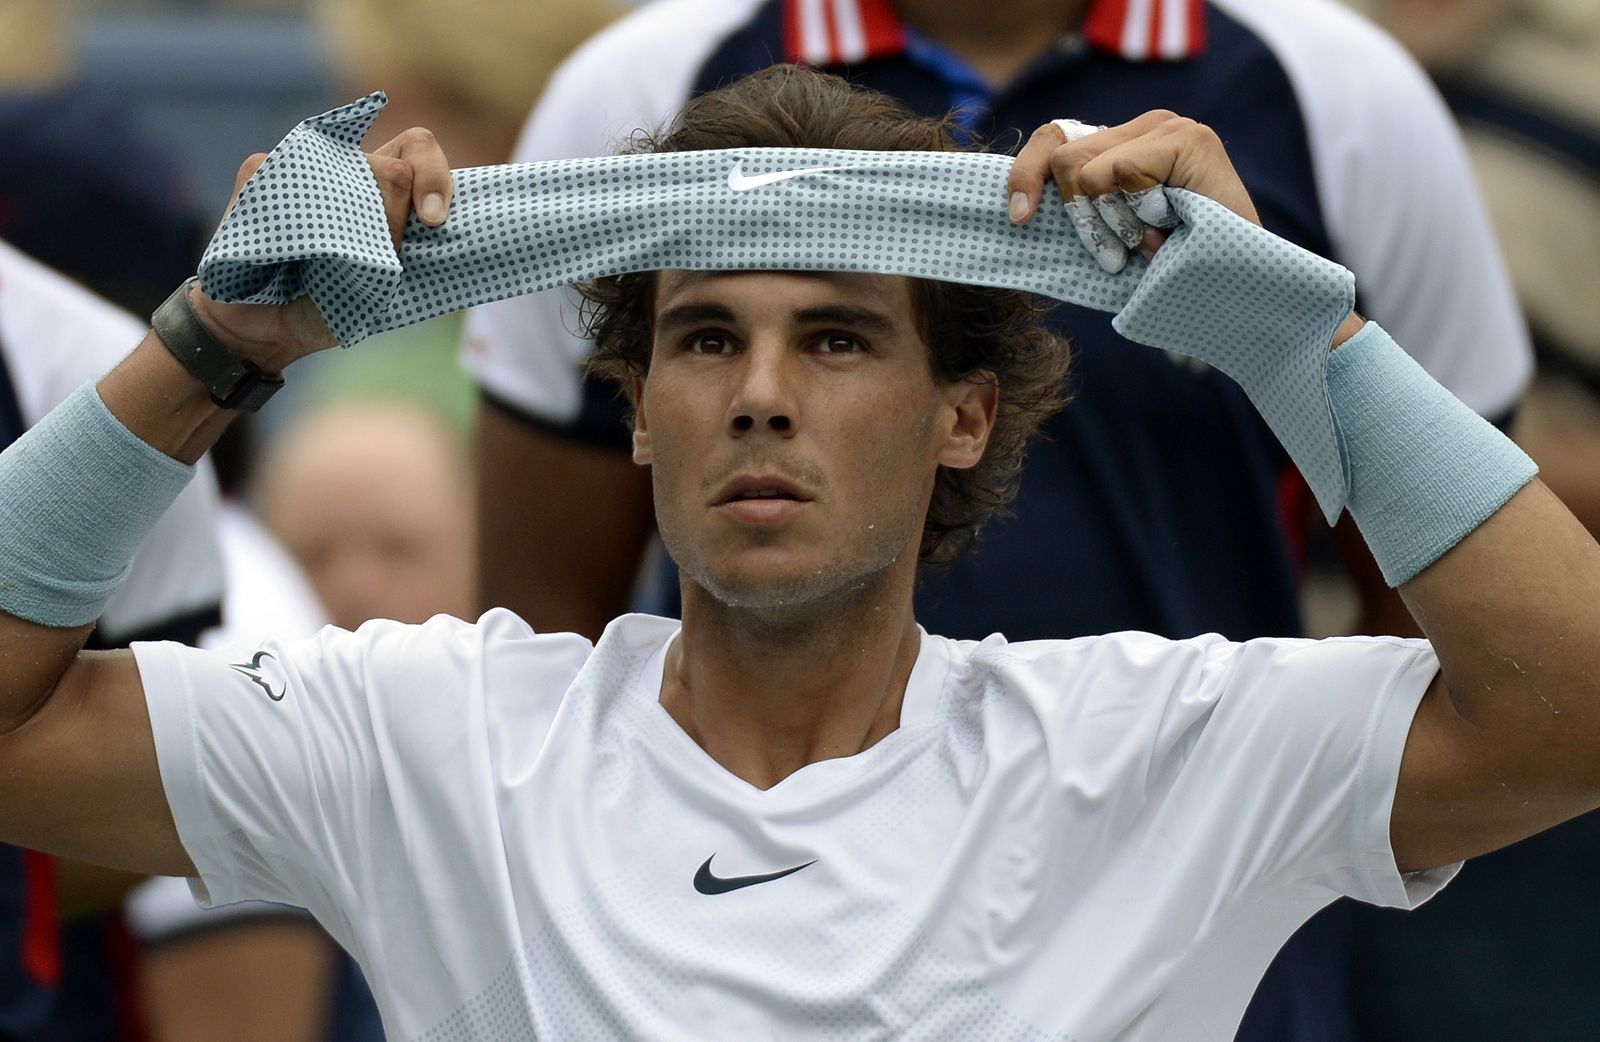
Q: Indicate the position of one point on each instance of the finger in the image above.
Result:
(1153, 208)
(247, 170)
(1152, 241)
(431, 187)
(395, 183)
(1030, 170)
(1179, 153)
(1108, 251)
(1068, 161)
(1118, 214)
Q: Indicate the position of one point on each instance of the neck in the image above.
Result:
(766, 693)
(998, 39)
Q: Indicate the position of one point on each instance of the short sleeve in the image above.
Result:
(289, 767)
(1295, 751)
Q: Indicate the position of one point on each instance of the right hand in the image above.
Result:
(412, 174)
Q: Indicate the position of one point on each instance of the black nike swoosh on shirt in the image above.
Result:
(707, 883)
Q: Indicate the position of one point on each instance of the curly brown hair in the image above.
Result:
(972, 332)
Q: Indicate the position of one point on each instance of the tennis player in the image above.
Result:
(796, 814)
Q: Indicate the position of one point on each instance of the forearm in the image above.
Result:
(156, 399)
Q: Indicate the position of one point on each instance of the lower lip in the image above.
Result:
(762, 511)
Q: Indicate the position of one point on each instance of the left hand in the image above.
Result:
(1157, 148)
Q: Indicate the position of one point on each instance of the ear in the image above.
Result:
(641, 433)
(974, 402)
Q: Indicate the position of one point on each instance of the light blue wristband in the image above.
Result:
(1423, 469)
(78, 494)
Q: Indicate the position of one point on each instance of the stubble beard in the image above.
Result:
(857, 571)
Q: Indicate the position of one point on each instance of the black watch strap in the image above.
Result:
(234, 382)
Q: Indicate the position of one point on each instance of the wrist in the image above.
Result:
(1352, 325)
(271, 357)
(233, 380)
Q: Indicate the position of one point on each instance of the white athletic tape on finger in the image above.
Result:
(1108, 225)
(1101, 240)
(1073, 129)
(311, 220)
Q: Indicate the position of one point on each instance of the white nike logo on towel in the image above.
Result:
(740, 182)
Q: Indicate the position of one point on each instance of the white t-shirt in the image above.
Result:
(1096, 839)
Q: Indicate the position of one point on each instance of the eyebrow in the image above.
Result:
(692, 315)
(865, 319)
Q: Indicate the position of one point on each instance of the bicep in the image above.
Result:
(1461, 792)
(80, 777)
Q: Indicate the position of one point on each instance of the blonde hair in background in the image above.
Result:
(492, 56)
(35, 42)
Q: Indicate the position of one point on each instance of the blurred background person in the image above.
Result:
(65, 961)
(1160, 502)
(374, 498)
(469, 72)
(91, 188)
(1523, 79)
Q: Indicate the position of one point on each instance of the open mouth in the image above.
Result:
(758, 488)
(765, 493)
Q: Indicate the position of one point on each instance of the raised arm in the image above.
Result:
(1506, 742)
(78, 771)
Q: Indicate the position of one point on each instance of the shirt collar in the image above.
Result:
(841, 32)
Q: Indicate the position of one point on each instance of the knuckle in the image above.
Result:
(1183, 125)
(1163, 116)
(391, 171)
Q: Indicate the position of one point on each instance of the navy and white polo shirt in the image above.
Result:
(1159, 501)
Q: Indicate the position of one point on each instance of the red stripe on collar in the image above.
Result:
(840, 32)
(1147, 30)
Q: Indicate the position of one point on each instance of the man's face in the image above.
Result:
(794, 427)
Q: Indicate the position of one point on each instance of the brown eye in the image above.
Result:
(710, 344)
(840, 344)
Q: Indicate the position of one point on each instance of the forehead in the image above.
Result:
(890, 295)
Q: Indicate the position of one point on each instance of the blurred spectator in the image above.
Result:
(374, 499)
(88, 188)
(1160, 502)
(468, 71)
(1523, 79)
(53, 336)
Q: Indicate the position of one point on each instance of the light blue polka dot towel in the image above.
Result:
(311, 222)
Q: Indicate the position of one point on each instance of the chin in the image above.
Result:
(768, 589)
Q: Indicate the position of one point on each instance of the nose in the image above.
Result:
(763, 398)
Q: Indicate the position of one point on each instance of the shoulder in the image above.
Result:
(55, 334)
(632, 75)
(1315, 39)
(1106, 682)
(1360, 94)
(1358, 90)
(447, 652)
